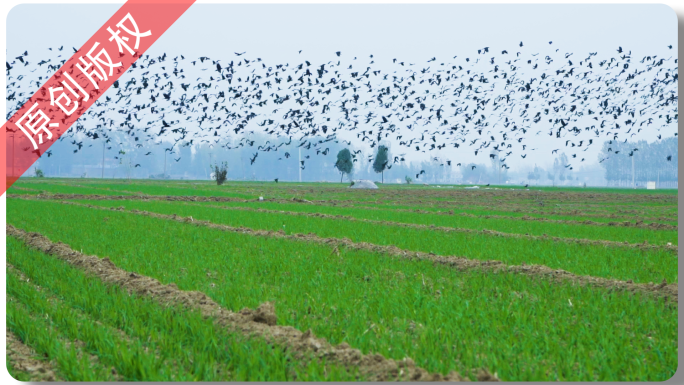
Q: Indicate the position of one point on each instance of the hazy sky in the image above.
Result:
(412, 33)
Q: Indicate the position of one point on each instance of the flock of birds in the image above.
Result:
(490, 101)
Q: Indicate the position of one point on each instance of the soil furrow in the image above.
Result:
(669, 247)
(662, 290)
(348, 203)
(22, 358)
(122, 334)
(643, 246)
(259, 322)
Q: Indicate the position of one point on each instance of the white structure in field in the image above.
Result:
(650, 185)
(366, 184)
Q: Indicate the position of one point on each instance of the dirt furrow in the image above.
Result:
(639, 221)
(259, 322)
(80, 345)
(643, 246)
(673, 248)
(362, 205)
(24, 188)
(22, 358)
(663, 290)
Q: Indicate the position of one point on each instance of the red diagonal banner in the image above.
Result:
(82, 79)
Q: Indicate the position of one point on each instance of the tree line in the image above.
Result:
(655, 161)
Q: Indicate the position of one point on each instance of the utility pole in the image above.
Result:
(300, 165)
(498, 158)
(633, 183)
(104, 143)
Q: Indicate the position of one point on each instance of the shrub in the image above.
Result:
(220, 172)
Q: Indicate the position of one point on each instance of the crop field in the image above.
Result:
(110, 280)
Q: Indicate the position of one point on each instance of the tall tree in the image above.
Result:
(381, 160)
(344, 163)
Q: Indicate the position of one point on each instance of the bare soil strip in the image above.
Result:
(24, 188)
(80, 345)
(667, 291)
(22, 358)
(260, 322)
(639, 222)
(350, 203)
(123, 335)
(171, 198)
(643, 246)
(673, 248)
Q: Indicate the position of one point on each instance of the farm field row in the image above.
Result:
(518, 326)
(133, 338)
(657, 233)
(661, 290)
(517, 225)
(620, 262)
(328, 191)
(463, 210)
(527, 202)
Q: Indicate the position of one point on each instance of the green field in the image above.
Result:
(362, 270)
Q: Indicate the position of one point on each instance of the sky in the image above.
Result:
(412, 33)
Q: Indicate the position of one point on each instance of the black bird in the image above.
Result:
(137, 165)
(669, 158)
(253, 159)
(473, 168)
(526, 185)
(276, 180)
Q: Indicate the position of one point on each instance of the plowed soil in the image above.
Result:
(259, 322)
(23, 359)
(635, 215)
(663, 290)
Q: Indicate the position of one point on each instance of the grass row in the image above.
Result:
(565, 230)
(391, 206)
(339, 191)
(388, 195)
(126, 189)
(40, 188)
(521, 327)
(596, 260)
(163, 343)
(476, 203)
